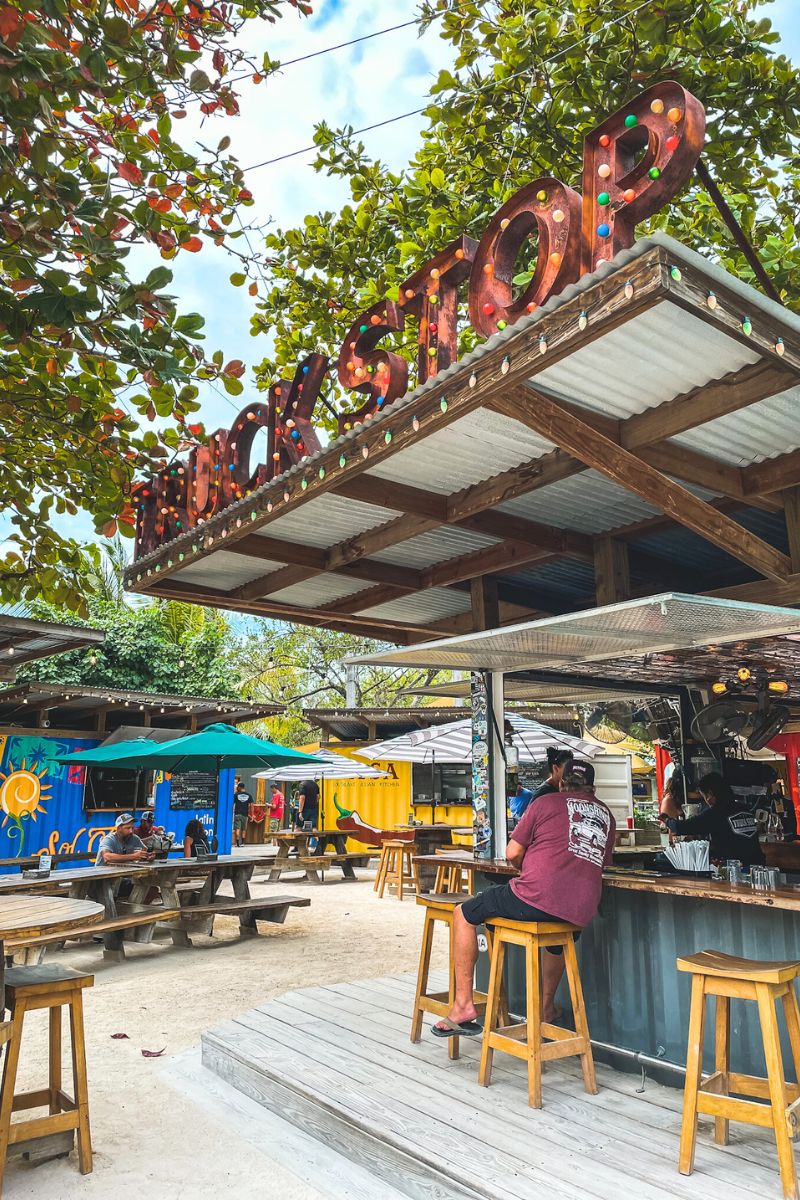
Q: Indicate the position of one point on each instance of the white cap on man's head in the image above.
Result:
(123, 819)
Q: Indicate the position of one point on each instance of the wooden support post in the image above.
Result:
(611, 571)
(485, 604)
(791, 508)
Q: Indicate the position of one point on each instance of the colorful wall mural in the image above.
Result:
(41, 800)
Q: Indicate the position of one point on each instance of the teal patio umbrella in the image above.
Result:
(213, 748)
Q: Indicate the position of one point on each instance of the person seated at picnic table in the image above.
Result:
(560, 847)
(195, 835)
(122, 845)
(147, 827)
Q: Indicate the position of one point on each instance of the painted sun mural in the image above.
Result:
(22, 796)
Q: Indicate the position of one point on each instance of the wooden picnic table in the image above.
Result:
(101, 884)
(298, 840)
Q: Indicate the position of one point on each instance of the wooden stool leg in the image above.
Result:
(579, 1013)
(777, 1088)
(422, 975)
(80, 1082)
(379, 872)
(792, 1016)
(55, 1058)
(10, 1083)
(722, 1061)
(492, 1008)
(386, 857)
(401, 887)
(534, 1019)
(440, 885)
(694, 1069)
(453, 1043)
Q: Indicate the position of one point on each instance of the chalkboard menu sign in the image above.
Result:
(194, 789)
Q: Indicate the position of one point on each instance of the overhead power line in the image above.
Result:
(415, 112)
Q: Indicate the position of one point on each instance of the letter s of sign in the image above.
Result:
(382, 375)
(554, 211)
(634, 163)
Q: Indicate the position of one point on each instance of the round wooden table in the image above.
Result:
(27, 916)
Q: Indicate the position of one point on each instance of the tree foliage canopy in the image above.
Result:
(168, 647)
(528, 80)
(302, 667)
(91, 164)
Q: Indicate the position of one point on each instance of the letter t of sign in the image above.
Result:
(634, 163)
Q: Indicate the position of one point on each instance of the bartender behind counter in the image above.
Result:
(731, 831)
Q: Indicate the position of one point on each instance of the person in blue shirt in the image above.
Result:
(520, 801)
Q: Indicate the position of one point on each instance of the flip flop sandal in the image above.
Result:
(456, 1029)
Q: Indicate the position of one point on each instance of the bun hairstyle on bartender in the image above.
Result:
(558, 758)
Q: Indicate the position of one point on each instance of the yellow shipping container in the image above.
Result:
(384, 803)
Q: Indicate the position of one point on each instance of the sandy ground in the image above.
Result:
(151, 1140)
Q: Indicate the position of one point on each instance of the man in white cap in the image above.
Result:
(122, 845)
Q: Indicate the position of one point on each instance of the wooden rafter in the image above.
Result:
(553, 421)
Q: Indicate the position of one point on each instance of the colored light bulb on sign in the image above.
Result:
(604, 170)
(672, 143)
(657, 106)
(604, 140)
(654, 173)
(603, 231)
(629, 195)
(603, 199)
(631, 121)
(674, 115)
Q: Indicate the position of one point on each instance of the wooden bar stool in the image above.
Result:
(396, 868)
(439, 907)
(527, 1039)
(726, 978)
(52, 987)
(452, 879)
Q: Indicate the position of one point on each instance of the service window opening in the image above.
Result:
(114, 789)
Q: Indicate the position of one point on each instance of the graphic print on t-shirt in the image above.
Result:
(589, 826)
(743, 824)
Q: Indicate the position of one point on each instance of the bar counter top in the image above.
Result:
(646, 881)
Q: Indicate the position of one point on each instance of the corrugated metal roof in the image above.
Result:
(327, 520)
(687, 549)
(658, 355)
(435, 546)
(588, 503)
(570, 575)
(764, 430)
(322, 589)
(470, 450)
(224, 566)
(419, 607)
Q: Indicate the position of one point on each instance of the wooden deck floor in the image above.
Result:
(336, 1061)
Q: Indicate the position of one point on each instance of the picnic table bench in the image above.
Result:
(179, 911)
(315, 862)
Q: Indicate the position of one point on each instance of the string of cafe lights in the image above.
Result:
(415, 112)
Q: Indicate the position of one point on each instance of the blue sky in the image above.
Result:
(361, 85)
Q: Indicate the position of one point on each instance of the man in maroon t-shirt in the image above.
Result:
(561, 845)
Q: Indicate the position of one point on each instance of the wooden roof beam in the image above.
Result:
(553, 421)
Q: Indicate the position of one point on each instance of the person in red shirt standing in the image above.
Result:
(561, 845)
(276, 808)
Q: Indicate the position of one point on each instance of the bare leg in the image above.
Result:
(465, 955)
(552, 971)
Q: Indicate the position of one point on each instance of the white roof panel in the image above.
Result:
(660, 354)
(419, 607)
(322, 589)
(435, 546)
(764, 430)
(224, 568)
(477, 446)
(327, 520)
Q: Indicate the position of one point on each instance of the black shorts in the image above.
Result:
(502, 901)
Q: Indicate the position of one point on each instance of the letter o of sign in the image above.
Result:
(554, 211)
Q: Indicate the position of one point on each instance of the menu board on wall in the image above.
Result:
(481, 812)
(193, 789)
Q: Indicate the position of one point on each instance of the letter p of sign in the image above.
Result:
(634, 163)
